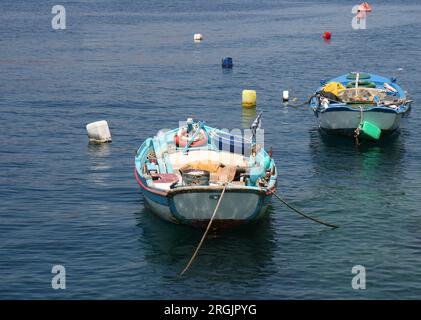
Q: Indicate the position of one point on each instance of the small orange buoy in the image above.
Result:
(327, 35)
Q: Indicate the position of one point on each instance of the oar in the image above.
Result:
(301, 213)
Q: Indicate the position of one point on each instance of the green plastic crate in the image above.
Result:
(371, 130)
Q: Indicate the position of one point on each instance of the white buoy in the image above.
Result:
(285, 96)
(198, 37)
(99, 131)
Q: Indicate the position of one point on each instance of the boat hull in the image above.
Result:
(346, 121)
(196, 207)
(238, 206)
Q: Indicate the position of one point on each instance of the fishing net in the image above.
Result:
(362, 95)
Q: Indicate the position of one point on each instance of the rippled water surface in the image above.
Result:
(63, 201)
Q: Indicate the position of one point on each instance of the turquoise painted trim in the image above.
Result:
(142, 153)
(158, 152)
(162, 200)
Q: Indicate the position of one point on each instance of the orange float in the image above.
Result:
(182, 137)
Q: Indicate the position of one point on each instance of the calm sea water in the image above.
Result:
(134, 63)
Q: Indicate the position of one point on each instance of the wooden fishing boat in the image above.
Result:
(360, 104)
(182, 174)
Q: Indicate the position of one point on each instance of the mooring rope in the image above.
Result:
(300, 104)
(357, 131)
(206, 232)
(301, 213)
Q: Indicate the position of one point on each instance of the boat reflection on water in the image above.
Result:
(390, 148)
(226, 71)
(360, 177)
(333, 140)
(236, 254)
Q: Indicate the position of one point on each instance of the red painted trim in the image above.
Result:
(145, 187)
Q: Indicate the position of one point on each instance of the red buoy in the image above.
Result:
(327, 35)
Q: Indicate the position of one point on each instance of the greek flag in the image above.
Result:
(257, 123)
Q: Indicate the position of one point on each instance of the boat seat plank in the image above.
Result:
(164, 177)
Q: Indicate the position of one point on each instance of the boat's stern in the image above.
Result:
(195, 206)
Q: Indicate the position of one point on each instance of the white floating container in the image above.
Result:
(99, 132)
(198, 37)
(285, 96)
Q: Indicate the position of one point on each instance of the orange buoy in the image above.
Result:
(327, 35)
(182, 137)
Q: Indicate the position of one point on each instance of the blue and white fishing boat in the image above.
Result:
(360, 104)
(182, 173)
